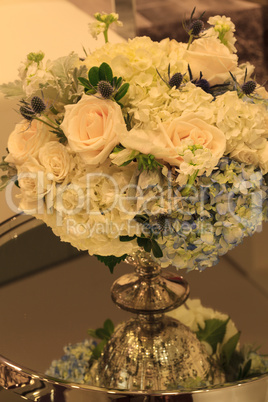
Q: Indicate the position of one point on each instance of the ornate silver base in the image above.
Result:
(152, 351)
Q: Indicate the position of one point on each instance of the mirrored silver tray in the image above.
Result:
(50, 294)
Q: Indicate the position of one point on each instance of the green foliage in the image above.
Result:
(63, 66)
(127, 238)
(60, 134)
(121, 92)
(149, 244)
(213, 333)
(145, 162)
(104, 73)
(111, 261)
(10, 173)
(104, 334)
(12, 89)
(93, 76)
(229, 348)
(244, 370)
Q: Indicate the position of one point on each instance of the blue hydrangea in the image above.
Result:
(73, 366)
(226, 207)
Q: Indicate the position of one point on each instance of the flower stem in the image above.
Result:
(190, 41)
(105, 33)
(50, 125)
(188, 186)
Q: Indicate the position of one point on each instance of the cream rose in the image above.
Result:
(34, 186)
(212, 58)
(56, 160)
(168, 141)
(246, 155)
(92, 126)
(33, 180)
(263, 159)
(26, 140)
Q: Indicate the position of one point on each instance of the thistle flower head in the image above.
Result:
(175, 80)
(196, 27)
(203, 84)
(27, 113)
(249, 87)
(37, 104)
(105, 89)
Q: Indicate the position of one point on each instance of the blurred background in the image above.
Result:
(45, 309)
(159, 19)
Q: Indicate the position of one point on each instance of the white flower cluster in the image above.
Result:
(194, 315)
(96, 169)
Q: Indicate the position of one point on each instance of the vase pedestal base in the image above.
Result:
(152, 351)
(154, 355)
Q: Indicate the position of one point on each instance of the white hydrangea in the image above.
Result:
(243, 123)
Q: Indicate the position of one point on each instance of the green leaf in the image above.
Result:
(12, 89)
(92, 332)
(93, 76)
(127, 162)
(84, 82)
(157, 252)
(141, 218)
(229, 348)
(101, 333)
(213, 333)
(96, 352)
(127, 238)
(62, 66)
(105, 73)
(145, 243)
(122, 92)
(109, 326)
(117, 82)
(111, 261)
(246, 369)
(91, 91)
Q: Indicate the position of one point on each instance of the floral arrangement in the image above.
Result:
(143, 144)
(214, 329)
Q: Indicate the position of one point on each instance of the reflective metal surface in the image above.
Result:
(149, 290)
(36, 387)
(43, 312)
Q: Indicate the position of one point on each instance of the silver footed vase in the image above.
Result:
(152, 351)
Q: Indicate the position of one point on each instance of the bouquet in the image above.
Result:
(160, 146)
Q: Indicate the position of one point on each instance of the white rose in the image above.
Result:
(34, 186)
(246, 155)
(167, 142)
(56, 160)
(91, 127)
(32, 179)
(263, 159)
(26, 140)
(212, 58)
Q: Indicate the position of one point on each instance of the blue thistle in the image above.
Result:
(175, 80)
(38, 106)
(105, 89)
(249, 87)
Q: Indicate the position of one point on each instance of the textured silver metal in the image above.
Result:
(152, 351)
(32, 386)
